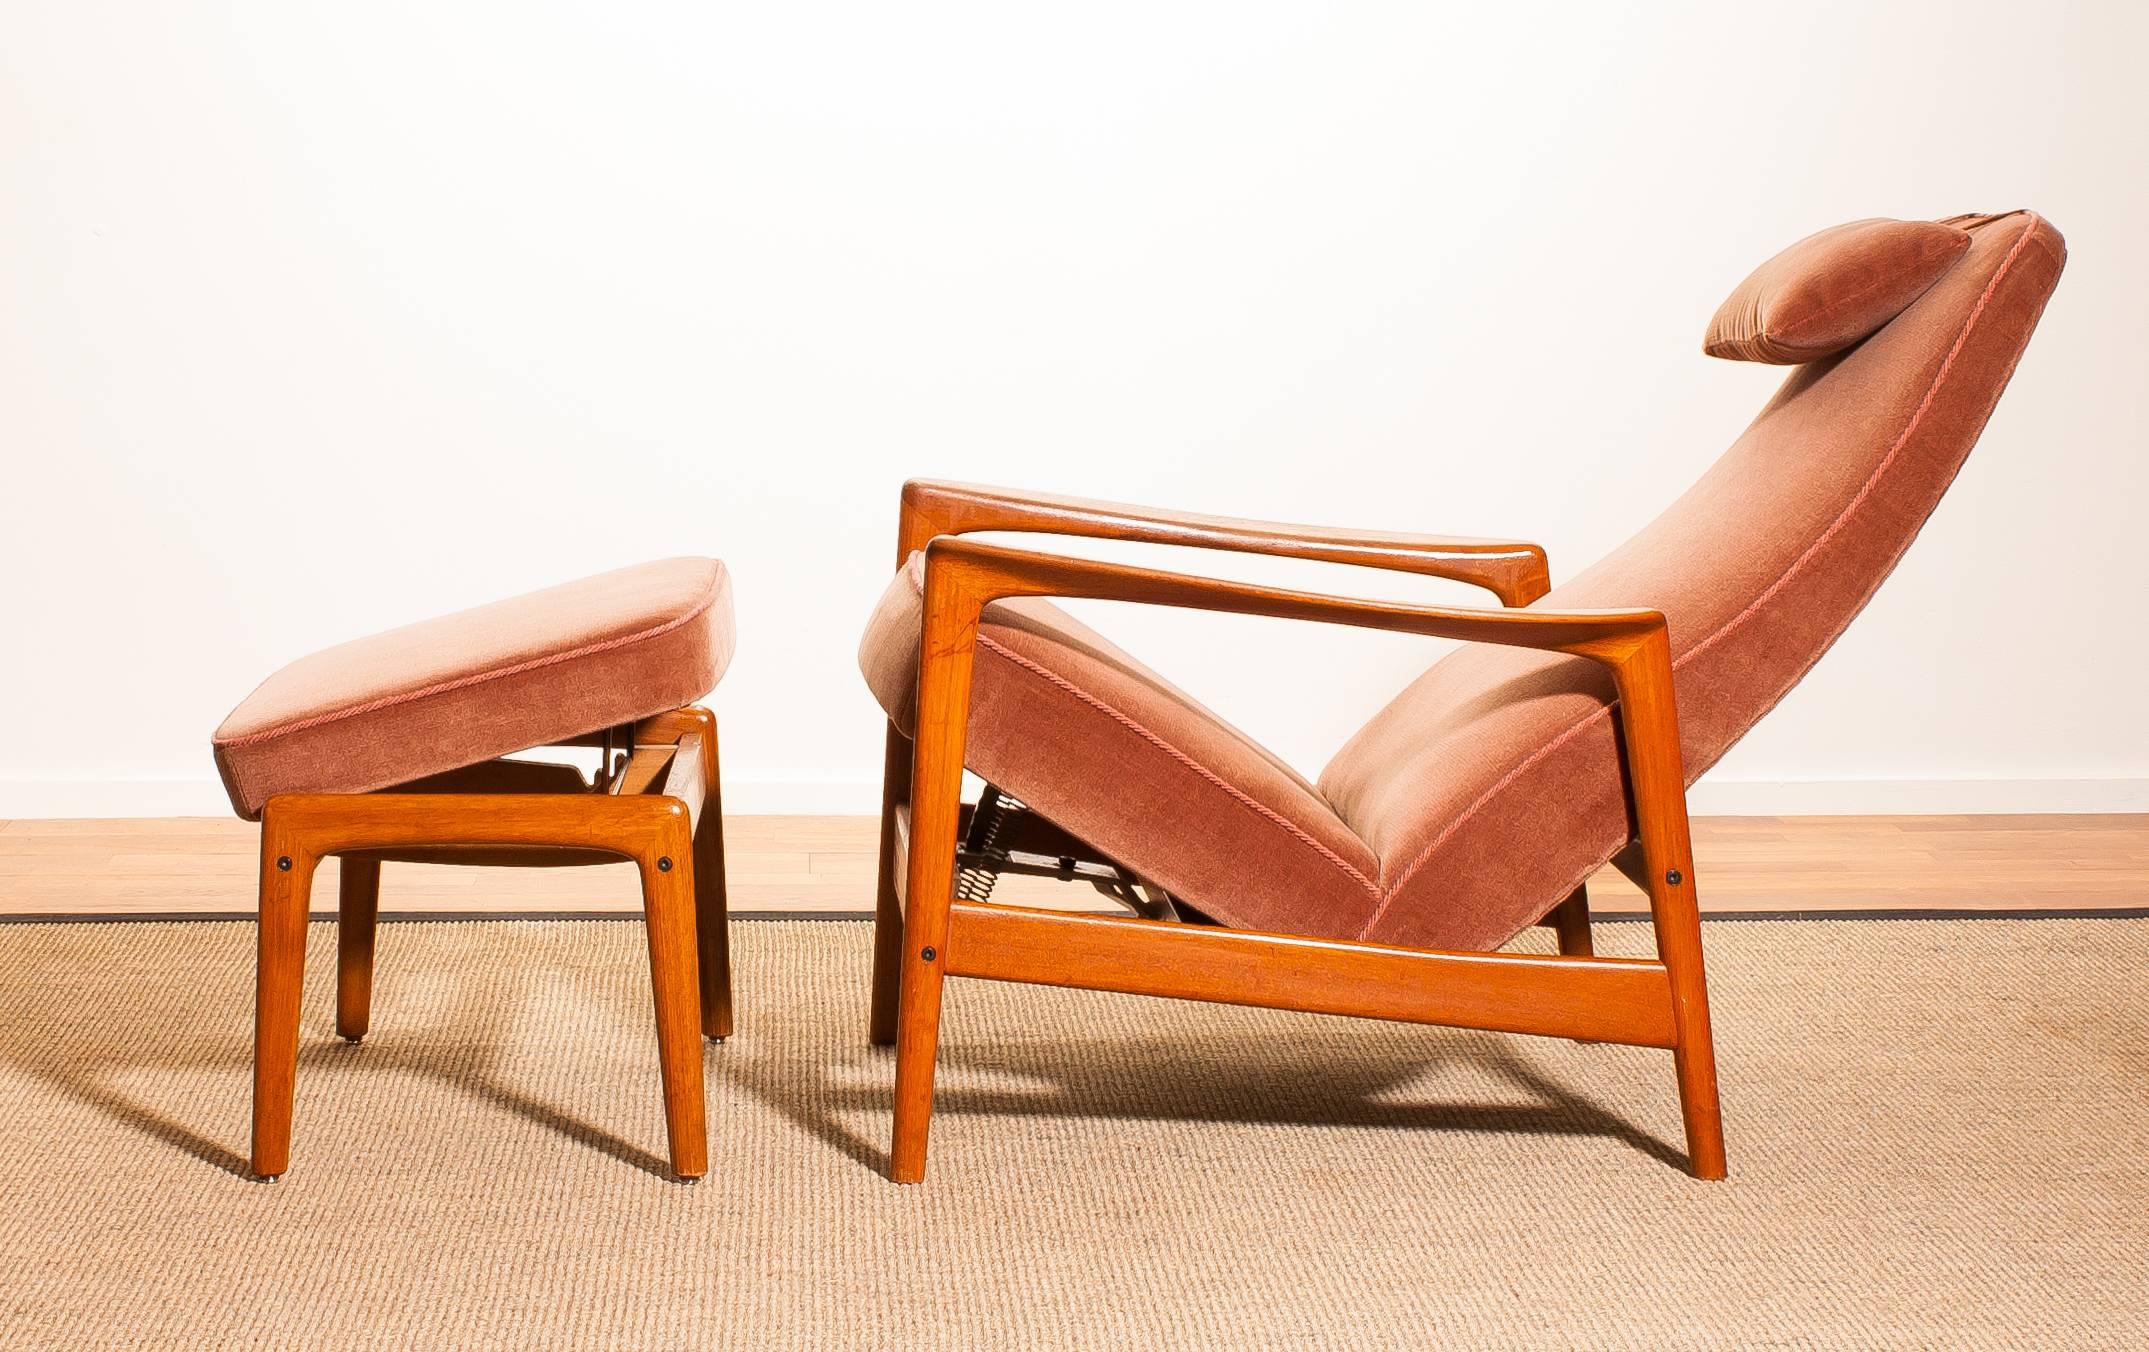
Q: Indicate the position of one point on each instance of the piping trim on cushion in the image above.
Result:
(1372, 889)
(1796, 566)
(479, 678)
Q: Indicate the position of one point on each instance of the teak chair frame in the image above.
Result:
(924, 933)
(660, 807)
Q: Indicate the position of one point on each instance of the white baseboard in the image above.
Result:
(23, 797)
(35, 798)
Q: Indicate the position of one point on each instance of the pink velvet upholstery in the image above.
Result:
(1127, 761)
(1831, 289)
(468, 687)
(1491, 785)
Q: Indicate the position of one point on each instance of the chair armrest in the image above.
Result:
(962, 576)
(1517, 573)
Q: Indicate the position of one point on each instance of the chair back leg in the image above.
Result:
(1649, 730)
(1570, 919)
(1678, 934)
(358, 906)
(888, 901)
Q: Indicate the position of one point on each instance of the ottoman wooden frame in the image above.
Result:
(657, 805)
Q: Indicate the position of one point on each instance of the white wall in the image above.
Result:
(316, 318)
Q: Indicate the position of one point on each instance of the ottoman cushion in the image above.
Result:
(468, 687)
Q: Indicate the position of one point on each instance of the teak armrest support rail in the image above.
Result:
(971, 569)
(1517, 573)
(1624, 1002)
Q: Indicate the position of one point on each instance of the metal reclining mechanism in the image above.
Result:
(1001, 834)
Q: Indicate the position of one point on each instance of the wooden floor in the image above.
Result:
(824, 865)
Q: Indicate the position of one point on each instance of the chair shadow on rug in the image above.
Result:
(1245, 1079)
(458, 1045)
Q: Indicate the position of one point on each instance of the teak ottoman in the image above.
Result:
(391, 747)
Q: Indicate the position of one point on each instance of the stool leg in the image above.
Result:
(286, 885)
(357, 913)
(712, 916)
(668, 906)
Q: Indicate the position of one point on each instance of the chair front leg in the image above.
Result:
(287, 868)
(358, 904)
(947, 648)
(922, 936)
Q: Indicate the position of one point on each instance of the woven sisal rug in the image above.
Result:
(1939, 1136)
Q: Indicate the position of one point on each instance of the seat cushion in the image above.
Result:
(1114, 753)
(468, 687)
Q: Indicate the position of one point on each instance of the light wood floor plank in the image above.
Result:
(820, 865)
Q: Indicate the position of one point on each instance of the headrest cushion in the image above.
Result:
(1832, 289)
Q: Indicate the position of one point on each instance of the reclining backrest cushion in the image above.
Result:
(1491, 786)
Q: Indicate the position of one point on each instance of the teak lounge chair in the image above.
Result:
(1478, 801)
